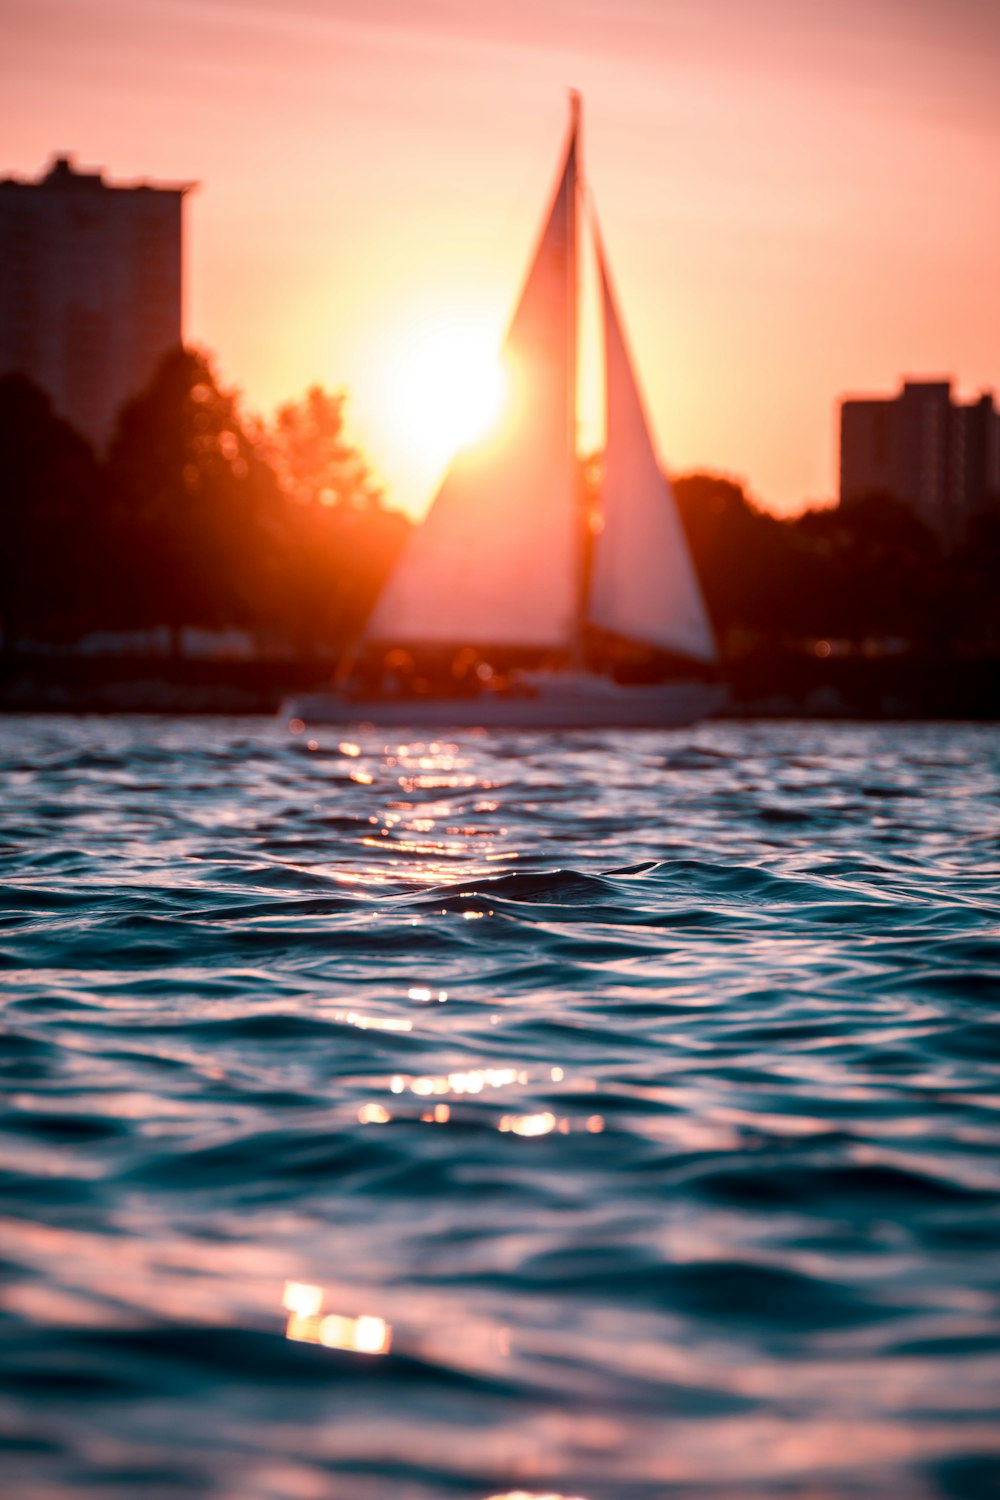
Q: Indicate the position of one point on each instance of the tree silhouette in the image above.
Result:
(195, 526)
(879, 571)
(975, 598)
(869, 570)
(309, 451)
(743, 556)
(341, 541)
(48, 488)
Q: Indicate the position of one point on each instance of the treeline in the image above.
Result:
(871, 576)
(199, 517)
(196, 517)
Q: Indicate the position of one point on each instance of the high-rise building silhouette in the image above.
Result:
(90, 287)
(939, 456)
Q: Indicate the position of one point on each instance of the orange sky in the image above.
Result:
(798, 198)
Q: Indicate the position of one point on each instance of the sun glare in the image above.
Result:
(446, 389)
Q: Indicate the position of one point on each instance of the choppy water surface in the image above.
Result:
(610, 1116)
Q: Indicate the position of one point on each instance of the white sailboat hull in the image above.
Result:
(565, 701)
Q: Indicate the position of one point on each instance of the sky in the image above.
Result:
(799, 199)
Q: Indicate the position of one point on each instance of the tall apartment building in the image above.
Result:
(90, 287)
(940, 456)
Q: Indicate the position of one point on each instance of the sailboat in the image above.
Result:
(508, 567)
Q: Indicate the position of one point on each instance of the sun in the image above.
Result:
(446, 388)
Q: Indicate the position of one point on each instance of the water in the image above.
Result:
(611, 1116)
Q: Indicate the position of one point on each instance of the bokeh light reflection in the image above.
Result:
(306, 1324)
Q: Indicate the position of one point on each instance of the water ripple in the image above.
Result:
(587, 1115)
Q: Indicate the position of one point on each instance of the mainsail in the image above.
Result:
(643, 584)
(496, 561)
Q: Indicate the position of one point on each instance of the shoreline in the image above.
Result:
(775, 686)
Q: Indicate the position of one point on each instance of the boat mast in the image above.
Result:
(572, 320)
